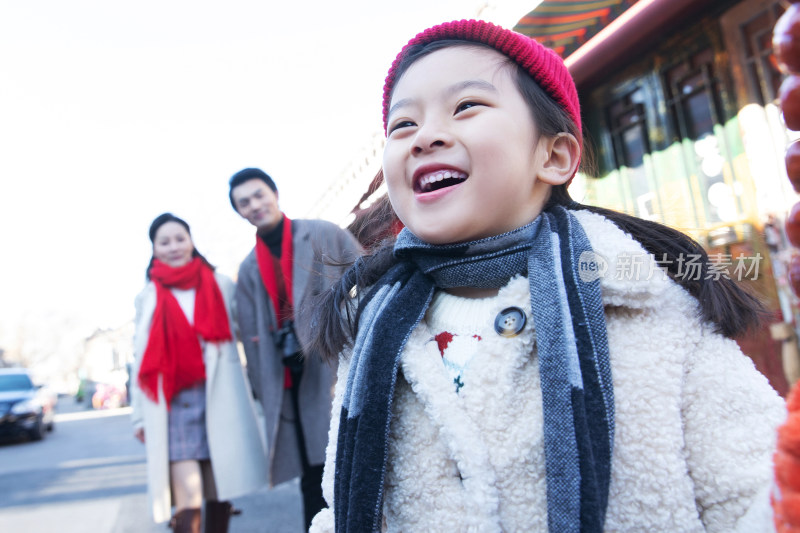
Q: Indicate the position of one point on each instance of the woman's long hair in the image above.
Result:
(727, 305)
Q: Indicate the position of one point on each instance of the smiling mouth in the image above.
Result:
(439, 180)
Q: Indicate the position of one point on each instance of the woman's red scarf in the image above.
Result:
(279, 287)
(173, 348)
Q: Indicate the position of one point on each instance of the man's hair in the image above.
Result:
(248, 174)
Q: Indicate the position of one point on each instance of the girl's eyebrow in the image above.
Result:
(400, 103)
(456, 87)
(471, 84)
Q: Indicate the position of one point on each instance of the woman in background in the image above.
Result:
(192, 407)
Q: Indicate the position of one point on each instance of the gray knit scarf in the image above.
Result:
(572, 349)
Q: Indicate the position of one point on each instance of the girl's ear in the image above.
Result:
(561, 158)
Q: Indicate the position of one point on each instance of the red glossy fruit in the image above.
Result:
(790, 102)
(793, 225)
(794, 274)
(793, 164)
(786, 40)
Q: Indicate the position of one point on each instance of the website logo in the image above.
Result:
(591, 266)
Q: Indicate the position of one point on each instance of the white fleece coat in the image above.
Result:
(694, 420)
(238, 454)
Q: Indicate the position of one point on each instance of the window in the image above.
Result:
(747, 29)
(692, 92)
(692, 95)
(761, 70)
(15, 382)
(628, 128)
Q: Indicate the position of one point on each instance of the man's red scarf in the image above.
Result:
(276, 274)
(173, 348)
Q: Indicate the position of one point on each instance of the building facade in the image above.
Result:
(679, 102)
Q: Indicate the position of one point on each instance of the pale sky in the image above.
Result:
(113, 112)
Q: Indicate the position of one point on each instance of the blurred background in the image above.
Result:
(114, 112)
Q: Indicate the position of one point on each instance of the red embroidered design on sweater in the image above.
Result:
(456, 360)
(443, 340)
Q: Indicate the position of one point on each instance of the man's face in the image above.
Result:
(257, 203)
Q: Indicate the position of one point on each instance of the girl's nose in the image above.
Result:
(431, 137)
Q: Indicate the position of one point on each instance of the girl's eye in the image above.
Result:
(465, 105)
(401, 124)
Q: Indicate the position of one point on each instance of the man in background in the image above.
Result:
(292, 261)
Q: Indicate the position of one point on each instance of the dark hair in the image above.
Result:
(377, 222)
(247, 174)
(162, 219)
(731, 308)
(159, 221)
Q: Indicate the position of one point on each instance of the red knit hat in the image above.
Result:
(545, 66)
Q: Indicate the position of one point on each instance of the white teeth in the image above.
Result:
(433, 177)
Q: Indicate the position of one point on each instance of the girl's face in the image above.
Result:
(173, 245)
(463, 157)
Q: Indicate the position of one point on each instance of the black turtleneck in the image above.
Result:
(273, 239)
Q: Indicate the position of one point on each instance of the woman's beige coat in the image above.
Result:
(238, 455)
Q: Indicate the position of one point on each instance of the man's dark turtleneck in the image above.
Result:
(273, 239)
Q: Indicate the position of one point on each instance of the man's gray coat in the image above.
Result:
(319, 246)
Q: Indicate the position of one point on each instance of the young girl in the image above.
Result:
(501, 372)
(191, 405)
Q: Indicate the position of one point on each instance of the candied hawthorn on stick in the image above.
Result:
(786, 40)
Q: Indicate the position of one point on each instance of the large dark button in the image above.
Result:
(510, 322)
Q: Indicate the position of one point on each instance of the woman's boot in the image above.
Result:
(218, 514)
(186, 521)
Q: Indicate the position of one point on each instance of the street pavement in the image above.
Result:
(88, 476)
